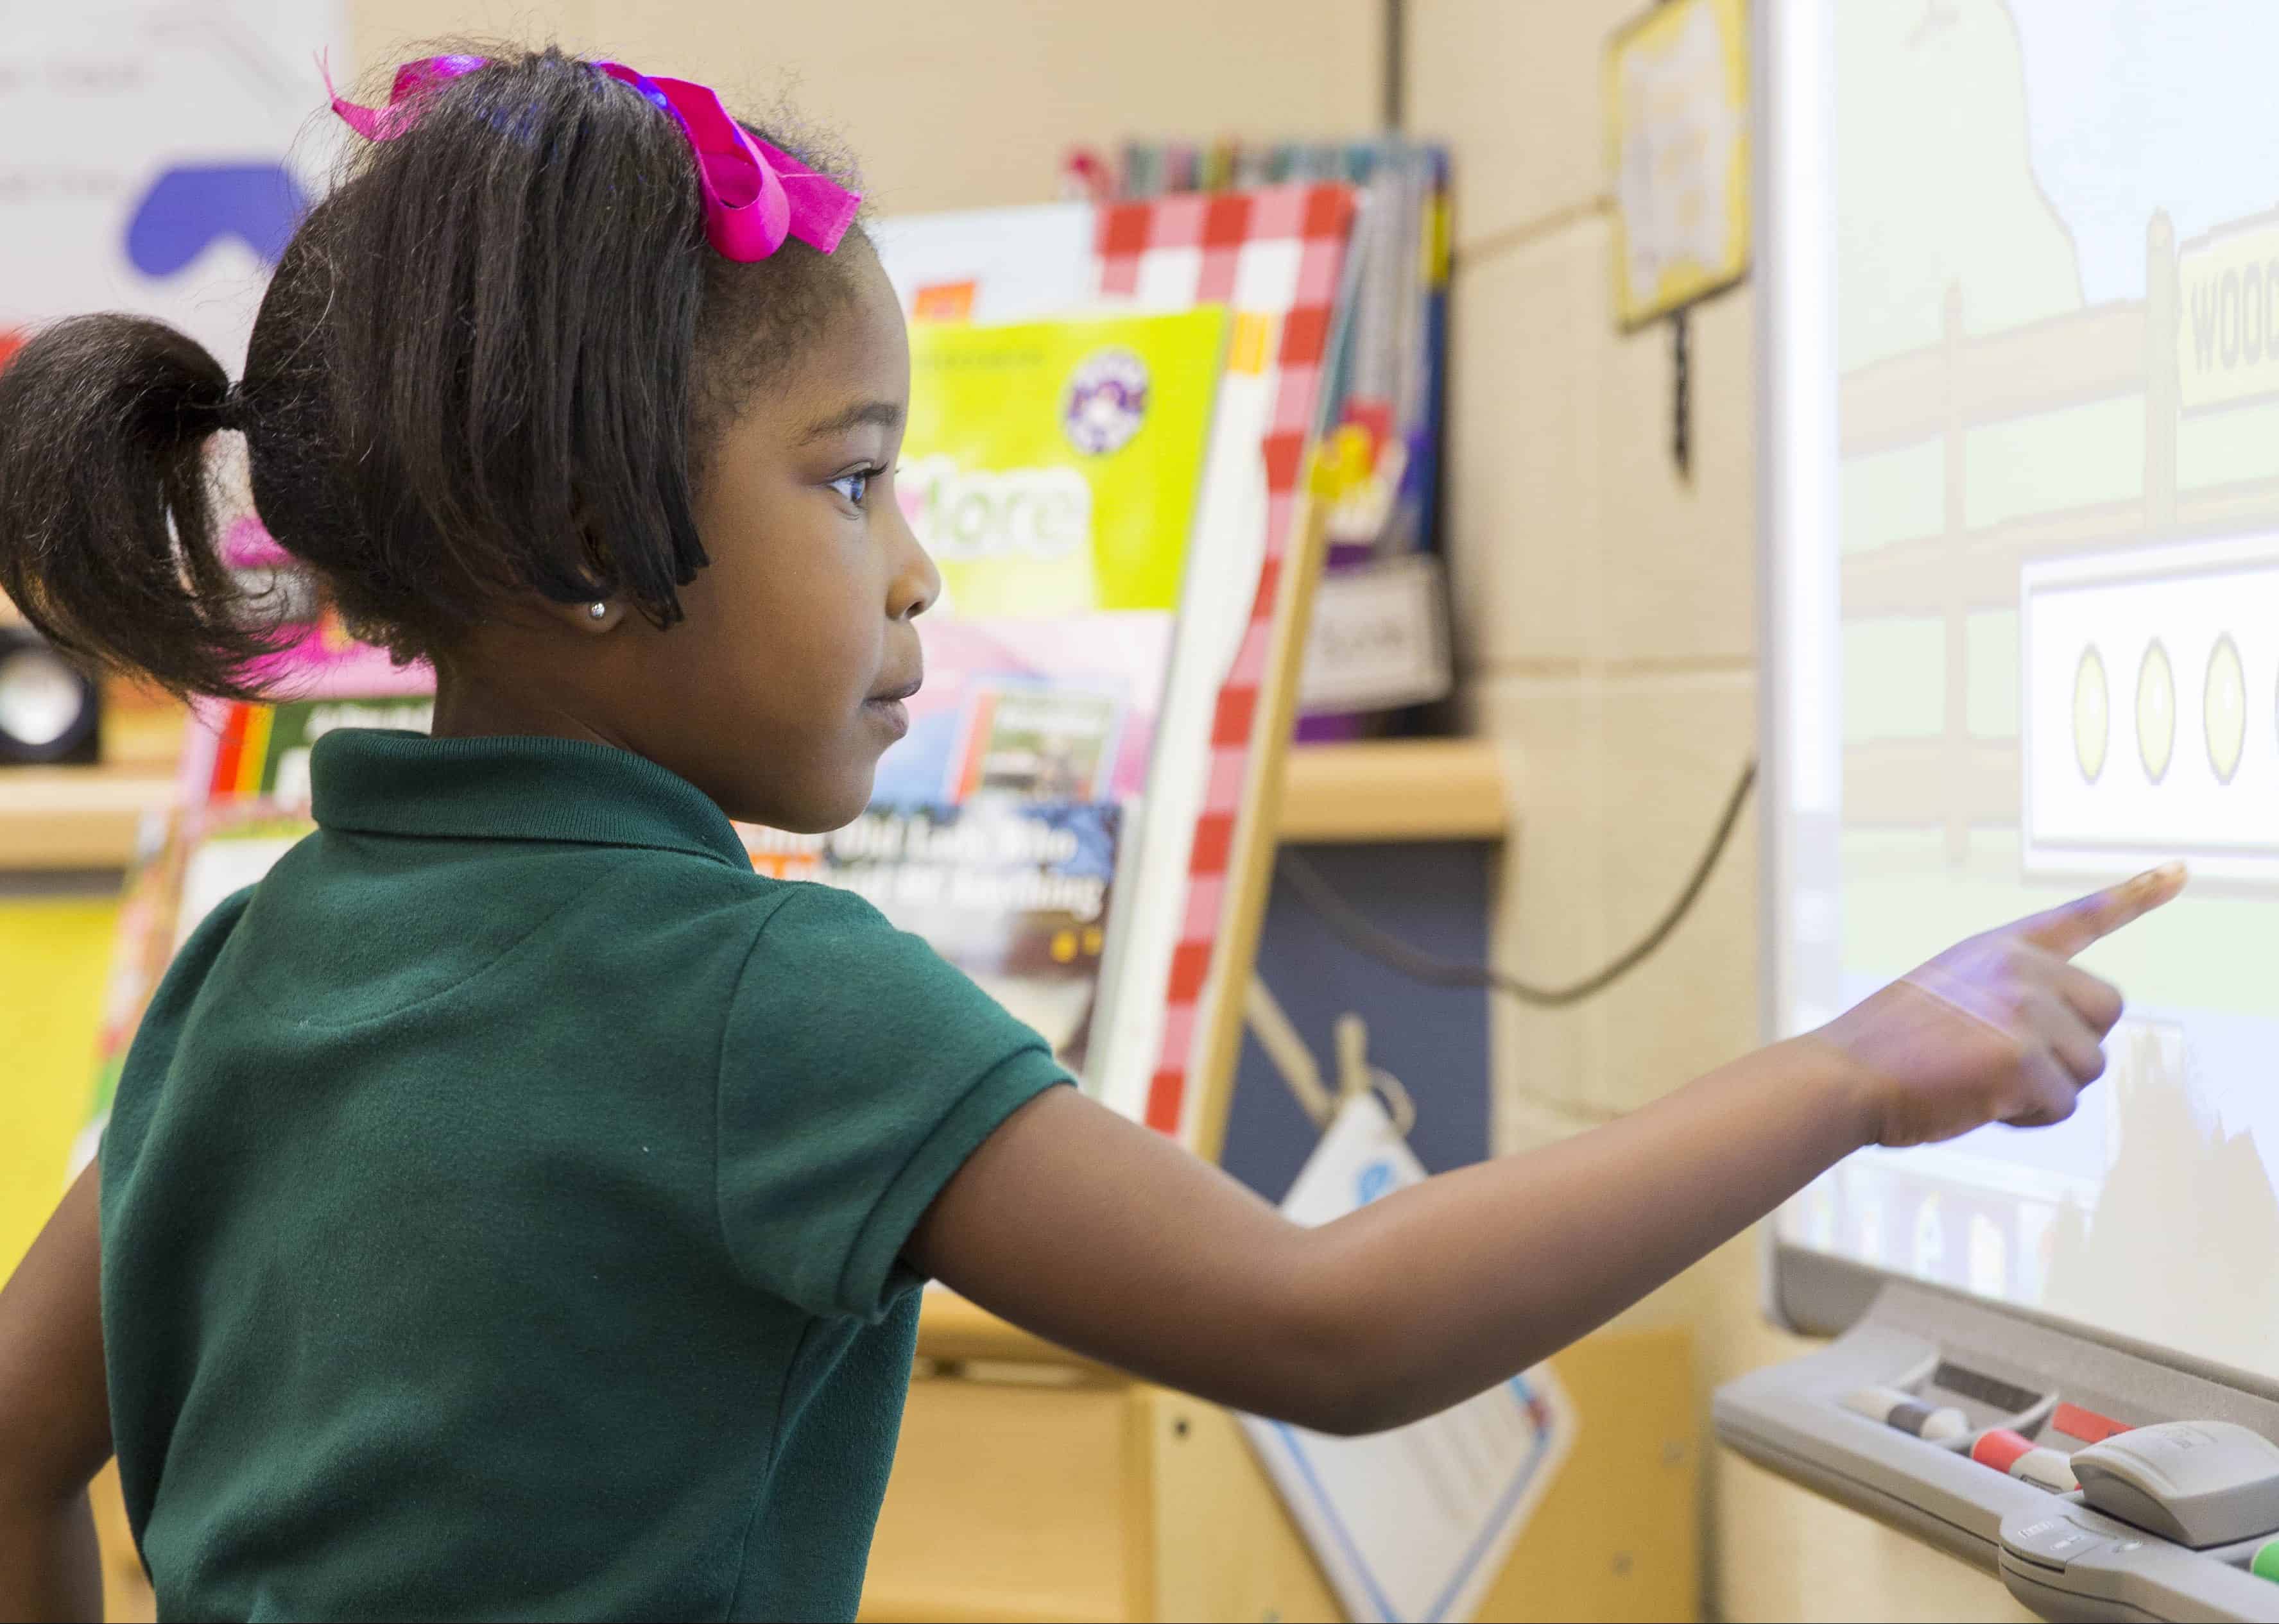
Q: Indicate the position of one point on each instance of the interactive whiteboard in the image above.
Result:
(2020, 281)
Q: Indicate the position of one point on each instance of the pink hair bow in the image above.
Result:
(755, 193)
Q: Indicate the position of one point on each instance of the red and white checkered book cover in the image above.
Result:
(1275, 258)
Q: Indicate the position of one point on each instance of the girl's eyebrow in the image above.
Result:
(884, 414)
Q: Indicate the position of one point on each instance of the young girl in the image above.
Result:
(512, 1205)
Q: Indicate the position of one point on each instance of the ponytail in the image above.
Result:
(107, 525)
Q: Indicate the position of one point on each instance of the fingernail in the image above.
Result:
(2166, 877)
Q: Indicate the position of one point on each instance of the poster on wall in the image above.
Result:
(155, 155)
(1677, 139)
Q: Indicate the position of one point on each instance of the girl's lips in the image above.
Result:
(891, 714)
(889, 708)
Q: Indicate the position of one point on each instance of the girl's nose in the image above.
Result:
(917, 583)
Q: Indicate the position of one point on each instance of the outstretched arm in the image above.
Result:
(55, 1416)
(1104, 1236)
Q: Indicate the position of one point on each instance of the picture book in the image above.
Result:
(1013, 891)
(1052, 468)
(997, 823)
(1276, 258)
(1053, 709)
(989, 264)
(263, 750)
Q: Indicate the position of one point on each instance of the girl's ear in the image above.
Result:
(602, 615)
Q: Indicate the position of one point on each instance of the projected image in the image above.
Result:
(2197, 624)
(2057, 261)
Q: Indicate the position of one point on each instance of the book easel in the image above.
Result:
(1255, 834)
(1277, 259)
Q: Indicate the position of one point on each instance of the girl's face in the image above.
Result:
(780, 691)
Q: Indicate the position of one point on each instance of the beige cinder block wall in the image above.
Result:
(1607, 634)
(957, 104)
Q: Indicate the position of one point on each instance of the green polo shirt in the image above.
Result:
(504, 1202)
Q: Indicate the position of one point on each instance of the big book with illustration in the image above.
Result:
(1275, 258)
(1053, 469)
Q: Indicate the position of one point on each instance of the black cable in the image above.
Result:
(1681, 394)
(1347, 922)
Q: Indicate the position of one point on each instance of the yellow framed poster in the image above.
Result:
(1678, 141)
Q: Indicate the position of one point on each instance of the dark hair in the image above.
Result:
(487, 363)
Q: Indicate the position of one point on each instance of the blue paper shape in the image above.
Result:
(193, 206)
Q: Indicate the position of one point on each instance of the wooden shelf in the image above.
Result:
(1394, 789)
(55, 818)
(1020, 1490)
(1403, 789)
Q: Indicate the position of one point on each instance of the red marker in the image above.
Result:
(2017, 1456)
(2087, 1425)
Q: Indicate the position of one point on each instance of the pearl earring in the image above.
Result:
(597, 611)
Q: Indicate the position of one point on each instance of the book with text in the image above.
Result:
(1053, 469)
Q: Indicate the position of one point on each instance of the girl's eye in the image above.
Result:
(855, 486)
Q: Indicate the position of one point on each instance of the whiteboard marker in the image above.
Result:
(2087, 1425)
(1908, 1413)
(2020, 1457)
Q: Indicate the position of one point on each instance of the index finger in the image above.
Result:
(2068, 928)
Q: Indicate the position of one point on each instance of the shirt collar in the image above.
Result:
(370, 781)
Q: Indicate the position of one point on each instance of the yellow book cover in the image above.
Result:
(1052, 468)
